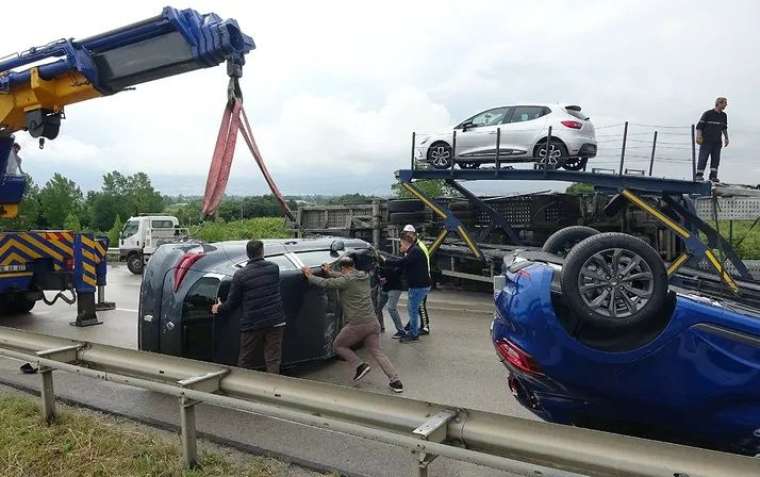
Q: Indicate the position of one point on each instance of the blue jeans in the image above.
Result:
(391, 303)
(414, 300)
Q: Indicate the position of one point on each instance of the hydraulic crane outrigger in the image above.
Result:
(35, 87)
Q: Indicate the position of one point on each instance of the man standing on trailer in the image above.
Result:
(711, 126)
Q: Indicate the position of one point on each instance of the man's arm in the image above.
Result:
(234, 298)
(700, 125)
(725, 132)
(338, 283)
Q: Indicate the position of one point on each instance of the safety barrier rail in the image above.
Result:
(426, 429)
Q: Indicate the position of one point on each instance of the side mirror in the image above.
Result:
(467, 125)
(336, 246)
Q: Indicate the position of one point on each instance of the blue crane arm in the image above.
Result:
(36, 84)
(67, 71)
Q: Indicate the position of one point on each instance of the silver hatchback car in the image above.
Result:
(521, 133)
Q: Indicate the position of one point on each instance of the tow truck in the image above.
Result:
(37, 84)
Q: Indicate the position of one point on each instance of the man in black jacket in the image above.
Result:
(711, 126)
(415, 267)
(256, 289)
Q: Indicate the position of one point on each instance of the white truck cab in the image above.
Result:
(142, 235)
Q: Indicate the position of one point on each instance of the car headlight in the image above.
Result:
(423, 141)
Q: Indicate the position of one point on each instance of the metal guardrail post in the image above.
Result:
(47, 395)
(432, 430)
(188, 434)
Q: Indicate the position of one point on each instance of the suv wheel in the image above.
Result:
(614, 280)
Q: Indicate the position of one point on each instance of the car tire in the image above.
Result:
(439, 155)
(561, 242)
(557, 154)
(575, 163)
(405, 205)
(614, 280)
(135, 263)
(403, 218)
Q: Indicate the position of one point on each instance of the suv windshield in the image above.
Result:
(130, 228)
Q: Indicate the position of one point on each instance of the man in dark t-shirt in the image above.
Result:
(711, 126)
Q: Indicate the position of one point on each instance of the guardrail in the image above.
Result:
(426, 429)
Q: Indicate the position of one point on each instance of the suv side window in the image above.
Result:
(198, 301)
(528, 113)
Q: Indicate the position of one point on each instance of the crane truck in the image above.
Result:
(35, 87)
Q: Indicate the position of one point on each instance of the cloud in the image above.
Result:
(335, 89)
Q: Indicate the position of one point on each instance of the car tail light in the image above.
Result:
(184, 265)
(517, 357)
(572, 124)
(68, 264)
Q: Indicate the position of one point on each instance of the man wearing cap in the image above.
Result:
(359, 315)
(424, 316)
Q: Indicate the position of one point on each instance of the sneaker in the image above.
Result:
(398, 335)
(715, 180)
(408, 339)
(396, 386)
(425, 331)
(361, 371)
(699, 177)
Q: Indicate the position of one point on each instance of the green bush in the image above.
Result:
(258, 228)
(746, 241)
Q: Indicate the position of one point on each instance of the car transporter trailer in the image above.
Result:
(680, 215)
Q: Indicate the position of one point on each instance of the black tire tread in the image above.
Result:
(581, 252)
(575, 233)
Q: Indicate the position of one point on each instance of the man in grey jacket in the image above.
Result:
(359, 315)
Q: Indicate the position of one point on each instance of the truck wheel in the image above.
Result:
(20, 304)
(135, 263)
(562, 241)
(614, 280)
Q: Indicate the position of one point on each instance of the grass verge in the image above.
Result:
(86, 444)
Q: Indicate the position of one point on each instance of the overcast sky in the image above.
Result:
(334, 89)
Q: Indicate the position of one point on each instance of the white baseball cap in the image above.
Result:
(409, 228)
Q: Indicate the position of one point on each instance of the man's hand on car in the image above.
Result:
(307, 271)
(215, 306)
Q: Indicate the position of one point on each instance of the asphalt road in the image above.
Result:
(455, 365)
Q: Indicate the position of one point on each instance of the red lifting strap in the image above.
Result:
(219, 173)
